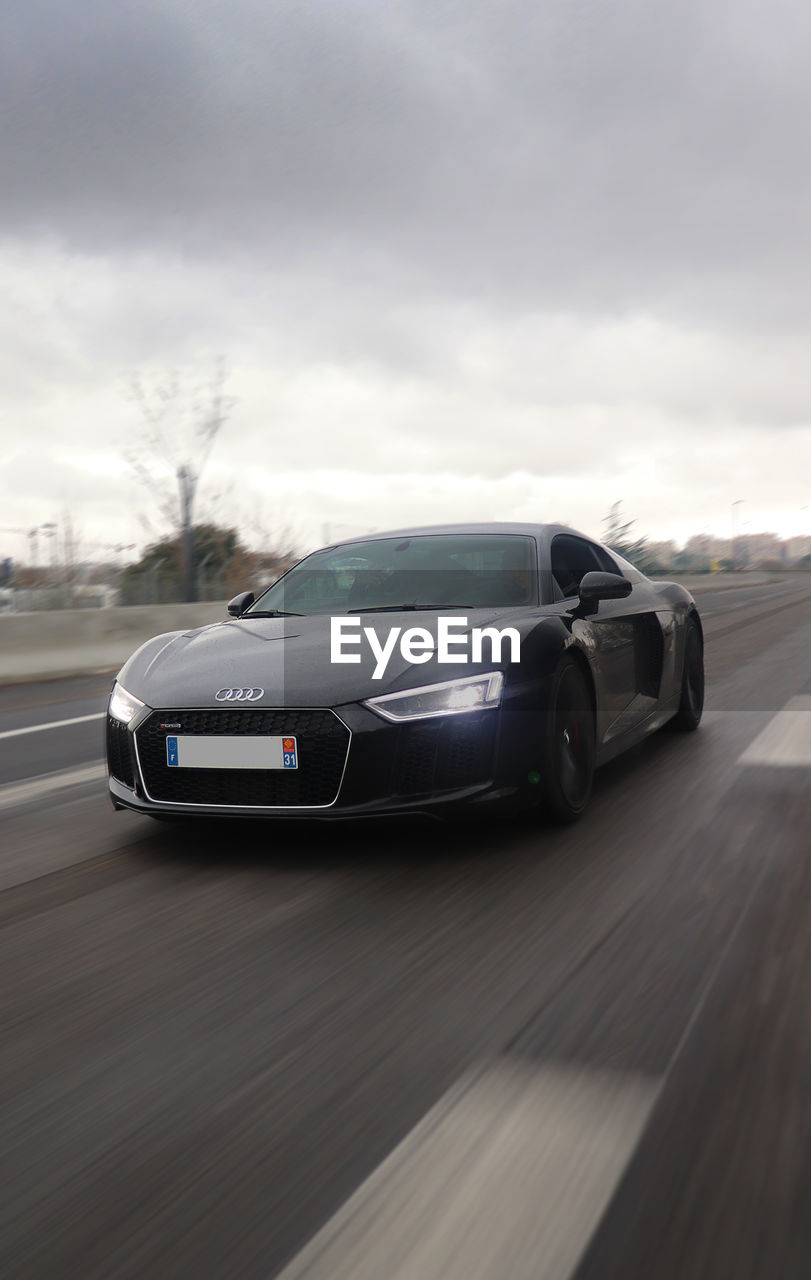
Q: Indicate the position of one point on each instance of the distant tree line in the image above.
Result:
(224, 566)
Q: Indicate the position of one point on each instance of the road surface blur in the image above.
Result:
(405, 1050)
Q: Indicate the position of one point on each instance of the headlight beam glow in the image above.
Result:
(450, 698)
(123, 706)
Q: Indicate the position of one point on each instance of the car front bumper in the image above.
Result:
(435, 767)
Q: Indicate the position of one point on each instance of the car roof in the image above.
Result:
(541, 532)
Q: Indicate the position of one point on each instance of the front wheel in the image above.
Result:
(691, 706)
(569, 746)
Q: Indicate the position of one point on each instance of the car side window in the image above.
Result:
(607, 564)
(571, 559)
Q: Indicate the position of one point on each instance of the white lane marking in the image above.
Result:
(508, 1175)
(52, 724)
(786, 740)
(21, 792)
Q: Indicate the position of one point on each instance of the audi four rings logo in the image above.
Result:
(239, 695)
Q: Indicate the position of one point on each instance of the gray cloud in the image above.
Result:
(564, 241)
(590, 156)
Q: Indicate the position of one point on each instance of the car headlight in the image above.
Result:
(122, 704)
(451, 698)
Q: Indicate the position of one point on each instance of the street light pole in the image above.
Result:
(735, 520)
(187, 483)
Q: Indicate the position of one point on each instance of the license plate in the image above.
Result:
(221, 752)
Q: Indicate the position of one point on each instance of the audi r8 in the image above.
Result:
(433, 671)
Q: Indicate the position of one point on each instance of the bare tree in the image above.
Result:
(619, 535)
(169, 457)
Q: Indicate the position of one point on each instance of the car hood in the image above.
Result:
(289, 658)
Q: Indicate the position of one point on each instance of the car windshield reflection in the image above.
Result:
(417, 572)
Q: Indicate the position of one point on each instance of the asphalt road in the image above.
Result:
(404, 1050)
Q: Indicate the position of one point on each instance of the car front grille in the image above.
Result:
(442, 755)
(119, 754)
(322, 742)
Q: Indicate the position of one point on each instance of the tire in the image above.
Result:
(569, 746)
(688, 716)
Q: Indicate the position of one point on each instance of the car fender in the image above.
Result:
(135, 670)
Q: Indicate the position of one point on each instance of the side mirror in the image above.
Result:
(597, 586)
(240, 603)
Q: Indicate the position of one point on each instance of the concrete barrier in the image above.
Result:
(701, 583)
(72, 642)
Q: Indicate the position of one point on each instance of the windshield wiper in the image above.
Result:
(407, 608)
(271, 613)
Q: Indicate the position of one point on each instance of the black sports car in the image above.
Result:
(424, 670)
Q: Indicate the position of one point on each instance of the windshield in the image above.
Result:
(474, 571)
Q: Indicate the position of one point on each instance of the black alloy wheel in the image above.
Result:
(569, 747)
(688, 716)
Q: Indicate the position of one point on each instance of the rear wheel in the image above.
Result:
(691, 706)
(569, 747)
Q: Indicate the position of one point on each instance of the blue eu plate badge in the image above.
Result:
(171, 751)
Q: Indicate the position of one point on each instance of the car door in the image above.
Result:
(620, 635)
(655, 633)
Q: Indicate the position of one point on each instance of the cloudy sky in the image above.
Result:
(510, 260)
